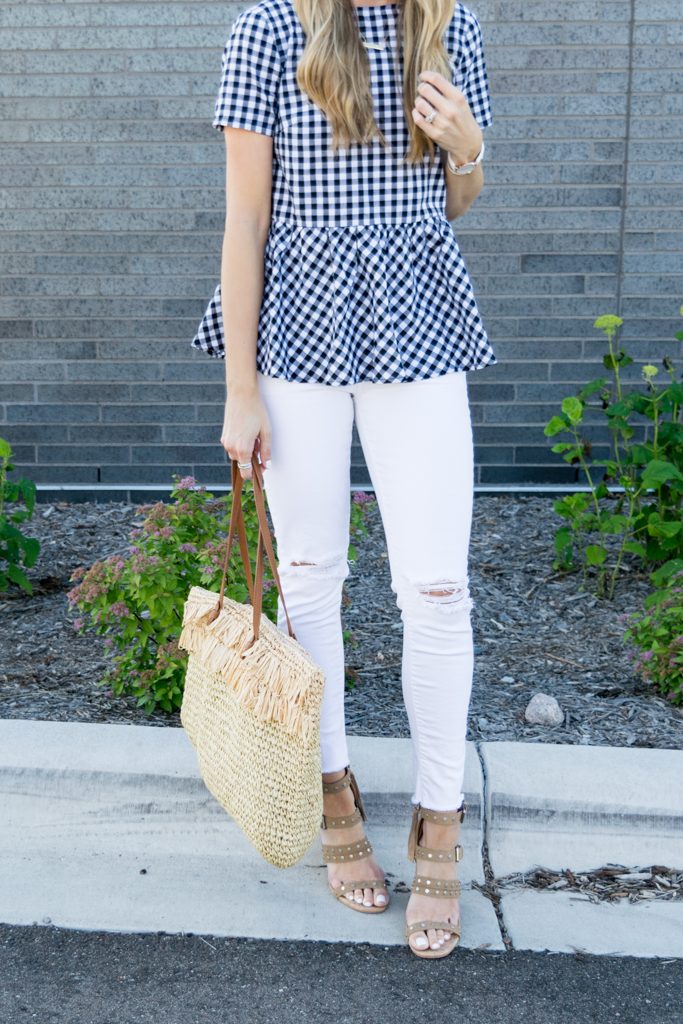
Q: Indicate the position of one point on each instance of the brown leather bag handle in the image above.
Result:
(264, 539)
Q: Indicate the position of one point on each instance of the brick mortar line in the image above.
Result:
(627, 145)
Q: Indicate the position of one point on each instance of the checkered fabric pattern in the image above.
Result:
(363, 275)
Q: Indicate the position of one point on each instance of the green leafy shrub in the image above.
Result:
(17, 552)
(635, 494)
(656, 636)
(136, 600)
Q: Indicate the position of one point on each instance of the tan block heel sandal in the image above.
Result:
(429, 885)
(351, 851)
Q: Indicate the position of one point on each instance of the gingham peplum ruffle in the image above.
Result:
(374, 302)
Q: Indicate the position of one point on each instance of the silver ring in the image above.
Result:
(244, 465)
(430, 116)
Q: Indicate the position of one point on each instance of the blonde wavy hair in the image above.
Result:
(334, 69)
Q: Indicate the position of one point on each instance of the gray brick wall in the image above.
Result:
(111, 213)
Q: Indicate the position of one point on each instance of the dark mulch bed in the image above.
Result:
(534, 631)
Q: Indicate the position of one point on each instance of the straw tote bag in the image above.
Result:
(251, 703)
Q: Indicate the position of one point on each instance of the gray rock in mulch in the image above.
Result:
(543, 709)
(535, 632)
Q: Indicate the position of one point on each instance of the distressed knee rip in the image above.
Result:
(337, 567)
(447, 595)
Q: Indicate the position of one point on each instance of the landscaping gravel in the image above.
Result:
(535, 631)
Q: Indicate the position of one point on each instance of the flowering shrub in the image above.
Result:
(657, 638)
(135, 600)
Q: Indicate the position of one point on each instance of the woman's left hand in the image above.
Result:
(454, 127)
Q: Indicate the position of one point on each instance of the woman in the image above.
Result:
(354, 138)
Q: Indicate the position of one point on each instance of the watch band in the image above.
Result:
(468, 167)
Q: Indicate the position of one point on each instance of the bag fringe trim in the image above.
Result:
(275, 678)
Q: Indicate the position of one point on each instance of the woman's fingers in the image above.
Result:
(246, 433)
(263, 446)
(241, 454)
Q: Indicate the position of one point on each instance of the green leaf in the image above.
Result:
(614, 523)
(639, 454)
(595, 554)
(661, 576)
(589, 389)
(555, 426)
(19, 577)
(658, 472)
(31, 551)
(563, 539)
(564, 446)
(573, 409)
(663, 528)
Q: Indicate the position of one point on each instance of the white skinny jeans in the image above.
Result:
(417, 443)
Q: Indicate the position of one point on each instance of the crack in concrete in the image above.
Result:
(490, 889)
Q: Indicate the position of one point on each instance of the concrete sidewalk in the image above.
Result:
(110, 827)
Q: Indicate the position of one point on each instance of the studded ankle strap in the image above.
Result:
(442, 817)
(348, 779)
(421, 814)
(339, 784)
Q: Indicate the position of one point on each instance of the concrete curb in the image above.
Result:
(99, 817)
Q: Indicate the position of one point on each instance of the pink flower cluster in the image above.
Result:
(156, 517)
(167, 653)
(361, 497)
(115, 564)
(94, 582)
(188, 483)
(120, 609)
(141, 562)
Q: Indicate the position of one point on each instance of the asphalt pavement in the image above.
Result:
(62, 976)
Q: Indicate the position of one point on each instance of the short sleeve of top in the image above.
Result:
(473, 75)
(247, 96)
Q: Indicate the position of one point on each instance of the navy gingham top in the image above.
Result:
(363, 275)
